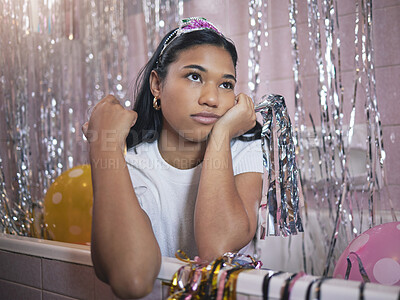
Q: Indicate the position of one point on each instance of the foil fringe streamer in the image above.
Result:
(326, 146)
(258, 25)
(58, 58)
(160, 17)
(280, 212)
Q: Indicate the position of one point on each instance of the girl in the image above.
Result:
(191, 179)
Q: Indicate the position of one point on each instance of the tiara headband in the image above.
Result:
(186, 26)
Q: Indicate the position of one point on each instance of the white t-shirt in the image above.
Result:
(168, 194)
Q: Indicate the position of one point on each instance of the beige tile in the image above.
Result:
(68, 279)
(12, 291)
(20, 268)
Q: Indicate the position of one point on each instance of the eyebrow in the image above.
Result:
(202, 69)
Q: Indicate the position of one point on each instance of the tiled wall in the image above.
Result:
(34, 278)
(276, 63)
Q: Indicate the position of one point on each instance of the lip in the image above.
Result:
(205, 117)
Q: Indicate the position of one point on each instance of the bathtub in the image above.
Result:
(40, 269)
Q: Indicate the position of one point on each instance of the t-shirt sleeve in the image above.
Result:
(247, 157)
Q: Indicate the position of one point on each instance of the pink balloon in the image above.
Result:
(379, 251)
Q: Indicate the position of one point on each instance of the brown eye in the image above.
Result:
(194, 77)
(227, 85)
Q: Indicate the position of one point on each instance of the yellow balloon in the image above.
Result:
(68, 206)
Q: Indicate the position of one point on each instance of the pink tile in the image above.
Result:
(186, 8)
(53, 296)
(276, 61)
(242, 87)
(348, 79)
(104, 292)
(393, 191)
(278, 14)
(285, 88)
(388, 93)
(302, 14)
(391, 140)
(242, 48)
(346, 7)
(347, 46)
(384, 3)
(383, 203)
(136, 63)
(68, 279)
(11, 290)
(20, 268)
(237, 18)
(136, 32)
(212, 10)
(386, 23)
(306, 56)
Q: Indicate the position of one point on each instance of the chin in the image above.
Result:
(200, 137)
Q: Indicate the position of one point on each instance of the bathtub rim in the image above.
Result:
(249, 282)
(68, 252)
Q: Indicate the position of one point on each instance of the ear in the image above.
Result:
(155, 84)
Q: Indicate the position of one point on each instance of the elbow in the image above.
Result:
(136, 287)
(130, 282)
(211, 249)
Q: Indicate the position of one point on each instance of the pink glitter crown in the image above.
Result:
(189, 25)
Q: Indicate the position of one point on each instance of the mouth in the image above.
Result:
(205, 118)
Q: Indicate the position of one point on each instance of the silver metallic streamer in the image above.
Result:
(336, 192)
(57, 59)
(282, 206)
(160, 16)
(258, 23)
(300, 127)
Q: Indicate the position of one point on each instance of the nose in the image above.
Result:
(209, 95)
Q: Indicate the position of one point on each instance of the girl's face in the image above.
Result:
(197, 91)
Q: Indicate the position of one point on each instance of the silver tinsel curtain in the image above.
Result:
(59, 57)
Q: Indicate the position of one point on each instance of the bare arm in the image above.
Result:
(124, 250)
(226, 206)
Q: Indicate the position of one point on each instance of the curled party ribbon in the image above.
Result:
(280, 210)
(216, 280)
